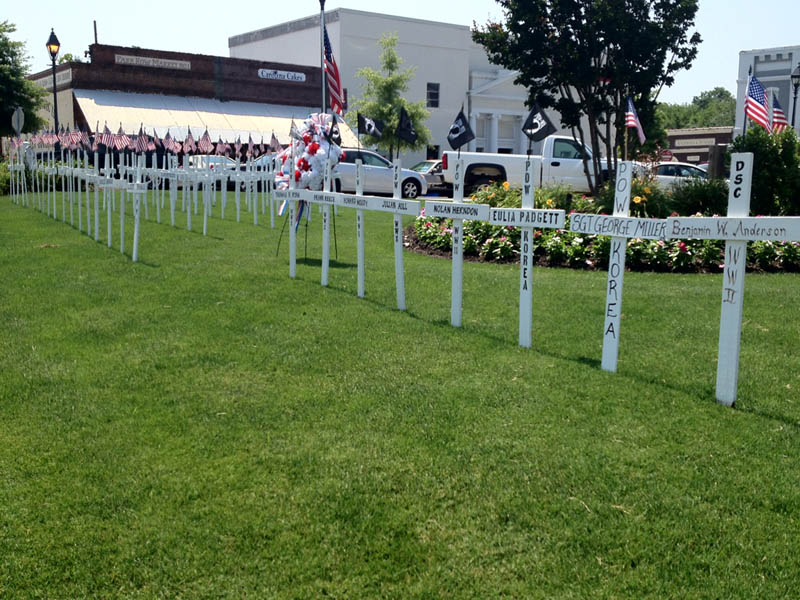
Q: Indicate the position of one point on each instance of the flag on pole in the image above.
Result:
(632, 120)
(250, 150)
(367, 126)
(333, 135)
(756, 106)
(222, 148)
(538, 125)
(332, 76)
(205, 145)
(779, 122)
(237, 146)
(156, 140)
(168, 143)
(189, 143)
(294, 132)
(141, 140)
(274, 144)
(405, 128)
(262, 149)
(460, 132)
(106, 138)
(121, 140)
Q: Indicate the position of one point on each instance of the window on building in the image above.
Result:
(433, 95)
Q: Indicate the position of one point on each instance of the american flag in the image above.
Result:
(121, 140)
(221, 147)
(85, 139)
(779, 122)
(205, 145)
(107, 138)
(250, 149)
(75, 137)
(141, 141)
(168, 143)
(632, 120)
(237, 146)
(756, 106)
(332, 76)
(261, 147)
(156, 139)
(188, 143)
(274, 144)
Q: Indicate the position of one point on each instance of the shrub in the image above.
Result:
(705, 196)
(776, 170)
(5, 179)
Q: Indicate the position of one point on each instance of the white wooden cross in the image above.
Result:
(527, 218)
(736, 229)
(396, 206)
(620, 227)
(458, 211)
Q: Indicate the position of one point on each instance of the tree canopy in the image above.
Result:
(381, 99)
(712, 108)
(585, 57)
(15, 89)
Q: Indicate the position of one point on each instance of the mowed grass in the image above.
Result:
(200, 425)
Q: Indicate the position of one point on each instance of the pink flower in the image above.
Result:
(503, 238)
(422, 212)
(682, 247)
(537, 233)
(427, 224)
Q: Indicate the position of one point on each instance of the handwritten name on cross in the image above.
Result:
(527, 218)
(620, 227)
(736, 229)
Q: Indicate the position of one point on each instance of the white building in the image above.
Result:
(772, 66)
(451, 70)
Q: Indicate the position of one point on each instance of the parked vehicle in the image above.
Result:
(216, 163)
(431, 170)
(670, 174)
(561, 163)
(377, 175)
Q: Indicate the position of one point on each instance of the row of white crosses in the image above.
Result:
(737, 229)
(132, 180)
(396, 205)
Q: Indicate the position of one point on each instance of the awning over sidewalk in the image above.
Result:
(226, 120)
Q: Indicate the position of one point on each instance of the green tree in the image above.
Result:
(585, 57)
(712, 108)
(15, 90)
(381, 99)
(69, 57)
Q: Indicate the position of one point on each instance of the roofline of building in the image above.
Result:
(769, 50)
(313, 21)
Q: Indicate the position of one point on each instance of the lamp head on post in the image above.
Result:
(795, 79)
(53, 45)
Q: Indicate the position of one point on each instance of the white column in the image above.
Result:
(473, 123)
(521, 146)
(491, 136)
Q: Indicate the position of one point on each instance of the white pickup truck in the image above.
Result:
(560, 163)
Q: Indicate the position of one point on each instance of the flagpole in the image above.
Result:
(744, 106)
(322, 50)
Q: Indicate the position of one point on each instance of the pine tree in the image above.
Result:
(381, 99)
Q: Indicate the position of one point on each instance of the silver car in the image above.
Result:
(377, 175)
(670, 174)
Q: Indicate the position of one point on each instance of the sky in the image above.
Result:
(203, 27)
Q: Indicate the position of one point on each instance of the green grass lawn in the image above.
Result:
(200, 425)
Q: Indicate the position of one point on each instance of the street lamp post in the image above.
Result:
(795, 77)
(53, 46)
